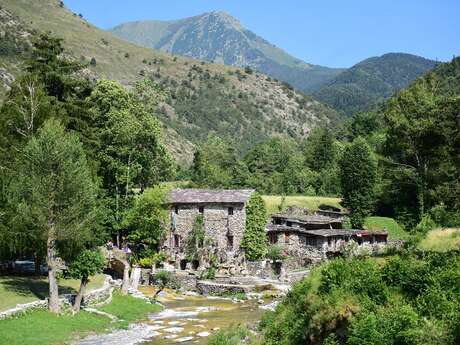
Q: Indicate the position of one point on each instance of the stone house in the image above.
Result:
(224, 218)
(314, 237)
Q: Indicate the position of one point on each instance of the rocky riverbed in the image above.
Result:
(187, 319)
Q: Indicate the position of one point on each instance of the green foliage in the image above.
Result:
(255, 241)
(406, 299)
(275, 252)
(422, 144)
(369, 82)
(53, 190)
(216, 165)
(358, 173)
(195, 239)
(146, 222)
(235, 335)
(87, 263)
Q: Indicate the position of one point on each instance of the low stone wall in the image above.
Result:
(206, 287)
(99, 296)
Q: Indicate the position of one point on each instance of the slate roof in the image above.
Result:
(322, 232)
(210, 196)
(308, 219)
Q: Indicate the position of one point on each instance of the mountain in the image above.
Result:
(203, 98)
(220, 38)
(372, 81)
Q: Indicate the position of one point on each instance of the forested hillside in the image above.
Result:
(372, 81)
(219, 37)
(197, 97)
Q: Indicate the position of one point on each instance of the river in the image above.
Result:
(185, 319)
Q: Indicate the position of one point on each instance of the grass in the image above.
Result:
(18, 290)
(128, 308)
(311, 202)
(395, 231)
(41, 327)
(233, 336)
(441, 240)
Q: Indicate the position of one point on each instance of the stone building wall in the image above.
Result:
(217, 225)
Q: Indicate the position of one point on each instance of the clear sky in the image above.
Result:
(335, 33)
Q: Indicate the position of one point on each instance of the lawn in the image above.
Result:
(41, 327)
(18, 290)
(395, 231)
(441, 240)
(273, 202)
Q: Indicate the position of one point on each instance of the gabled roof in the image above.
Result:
(210, 196)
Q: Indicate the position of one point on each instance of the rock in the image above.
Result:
(203, 334)
(173, 329)
(183, 339)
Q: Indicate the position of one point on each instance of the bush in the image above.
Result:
(275, 252)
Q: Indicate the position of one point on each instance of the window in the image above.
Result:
(176, 241)
(201, 209)
(230, 211)
(176, 209)
(289, 223)
(229, 242)
(277, 221)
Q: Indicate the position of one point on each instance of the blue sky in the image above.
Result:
(335, 33)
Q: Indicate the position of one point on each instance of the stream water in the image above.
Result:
(185, 320)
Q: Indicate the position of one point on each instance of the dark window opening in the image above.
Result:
(277, 221)
(201, 209)
(183, 264)
(289, 223)
(176, 210)
(273, 238)
(230, 211)
(229, 242)
(360, 241)
(176, 241)
(195, 264)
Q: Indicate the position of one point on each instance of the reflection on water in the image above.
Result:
(191, 319)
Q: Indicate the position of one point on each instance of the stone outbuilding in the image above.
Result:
(317, 236)
(224, 218)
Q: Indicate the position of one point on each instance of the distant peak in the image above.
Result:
(223, 16)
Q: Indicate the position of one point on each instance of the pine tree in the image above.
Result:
(358, 173)
(54, 196)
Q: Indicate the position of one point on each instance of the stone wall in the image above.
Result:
(94, 297)
(217, 225)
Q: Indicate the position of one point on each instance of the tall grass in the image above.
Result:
(441, 240)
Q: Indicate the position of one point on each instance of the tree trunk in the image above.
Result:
(125, 284)
(53, 300)
(79, 297)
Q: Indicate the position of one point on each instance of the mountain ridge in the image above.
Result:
(372, 80)
(228, 42)
(202, 98)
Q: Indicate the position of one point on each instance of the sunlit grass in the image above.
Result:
(395, 231)
(19, 290)
(273, 202)
(441, 240)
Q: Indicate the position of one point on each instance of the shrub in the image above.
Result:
(275, 252)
